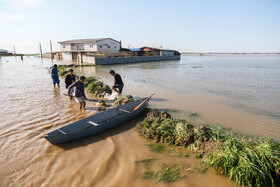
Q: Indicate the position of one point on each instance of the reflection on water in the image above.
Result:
(239, 92)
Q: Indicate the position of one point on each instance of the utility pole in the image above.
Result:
(15, 51)
(51, 49)
(77, 53)
(40, 47)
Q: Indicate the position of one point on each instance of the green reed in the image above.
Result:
(248, 160)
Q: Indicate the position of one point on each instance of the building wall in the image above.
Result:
(108, 45)
(167, 53)
(139, 59)
(66, 55)
(89, 59)
(90, 47)
(65, 47)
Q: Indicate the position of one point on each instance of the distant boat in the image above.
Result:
(96, 123)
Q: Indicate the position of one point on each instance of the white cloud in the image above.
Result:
(24, 4)
(13, 16)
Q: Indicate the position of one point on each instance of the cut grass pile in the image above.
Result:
(124, 99)
(97, 87)
(248, 160)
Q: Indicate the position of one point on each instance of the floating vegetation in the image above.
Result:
(62, 71)
(183, 154)
(97, 87)
(197, 67)
(124, 99)
(159, 148)
(193, 114)
(172, 110)
(145, 161)
(167, 173)
(248, 160)
(149, 67)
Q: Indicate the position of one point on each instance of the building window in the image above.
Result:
(100, 46)
(90, 46)
(108, 46)
(64, 46)
(115, 47)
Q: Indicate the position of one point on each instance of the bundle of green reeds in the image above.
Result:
(248, 160)
(97, 87)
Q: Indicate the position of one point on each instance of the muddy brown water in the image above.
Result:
(238, 92)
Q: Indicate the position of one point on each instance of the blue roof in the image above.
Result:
(3, 50)
(134, 49)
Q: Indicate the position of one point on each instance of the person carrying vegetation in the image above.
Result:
(70, 78)
(55, 77)
(118, 82)
(79, 93)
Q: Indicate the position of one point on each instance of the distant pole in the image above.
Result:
(41, 50)
(77, 54)
(51, 49)
(15, 51)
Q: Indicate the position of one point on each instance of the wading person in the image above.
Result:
(55, 77)
(79, 93)
(70, 78)
(118, 82)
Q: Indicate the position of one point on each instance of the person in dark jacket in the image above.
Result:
(79, 92)
(55, 77)
(118, 82)
(70, 78)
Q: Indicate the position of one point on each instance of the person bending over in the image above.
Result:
(118, 82)
(70, 78)
(80, 96)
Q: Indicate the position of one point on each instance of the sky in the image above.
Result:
(184, 25)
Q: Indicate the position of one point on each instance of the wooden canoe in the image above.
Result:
(96, 123)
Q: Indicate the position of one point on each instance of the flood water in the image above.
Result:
(241, 92)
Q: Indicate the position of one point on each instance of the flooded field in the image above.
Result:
(241, 92)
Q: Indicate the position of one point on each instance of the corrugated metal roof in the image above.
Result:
(83, 41)
(3, 50)
(162, 49)
(135, 49)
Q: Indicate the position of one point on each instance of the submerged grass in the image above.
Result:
(145, 161)
(158, 148)
(149, 67)
(173, 110)
(167, 173)
(193, 114)
(248, 160)
(183, 154)
(197, 67)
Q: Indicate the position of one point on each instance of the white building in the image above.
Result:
(71, 49)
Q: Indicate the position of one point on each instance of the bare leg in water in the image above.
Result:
(116, 90)
(82, 104)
